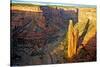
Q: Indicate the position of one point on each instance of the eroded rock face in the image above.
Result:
(33, 31)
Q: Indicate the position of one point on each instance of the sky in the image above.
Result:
(89, 2)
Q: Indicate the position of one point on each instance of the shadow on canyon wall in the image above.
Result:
(32, 32)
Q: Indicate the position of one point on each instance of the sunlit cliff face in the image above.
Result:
(43, 26)
(26, 8)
